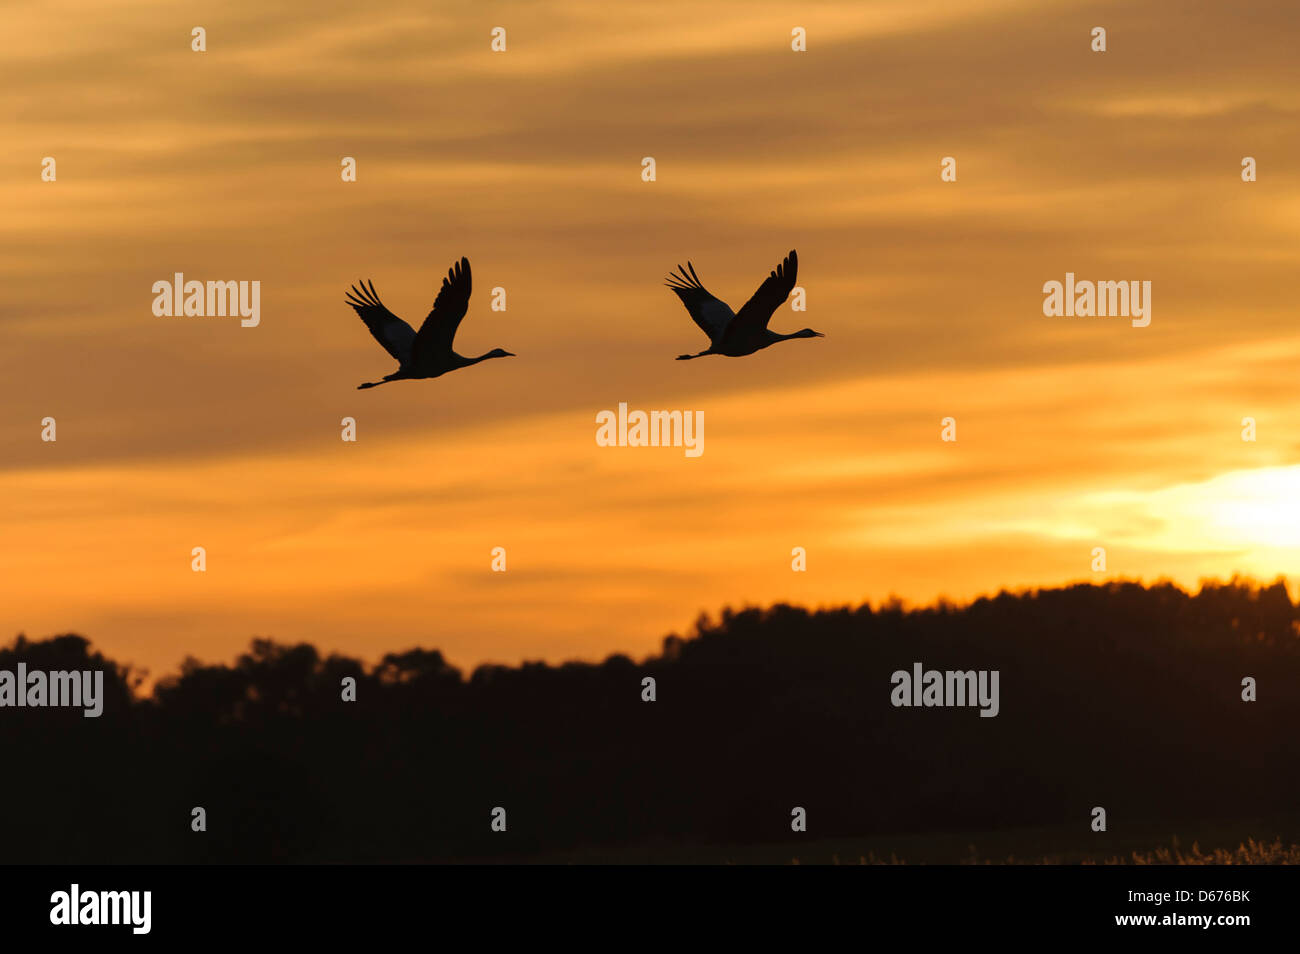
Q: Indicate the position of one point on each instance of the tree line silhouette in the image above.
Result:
(1122, 696)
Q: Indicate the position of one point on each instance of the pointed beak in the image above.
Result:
(511, 354)
(819, 334)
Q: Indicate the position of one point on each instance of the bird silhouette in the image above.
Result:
(743, 332)
(428, 352)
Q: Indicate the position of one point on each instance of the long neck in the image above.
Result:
(466, 362)
(801, 333)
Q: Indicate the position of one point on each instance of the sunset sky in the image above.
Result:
(1073, 433)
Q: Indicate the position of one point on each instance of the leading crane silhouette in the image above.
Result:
(426, 353)
(743, 332)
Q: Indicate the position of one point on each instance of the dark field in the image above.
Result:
(1123, 697)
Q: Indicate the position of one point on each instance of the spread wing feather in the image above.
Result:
(392, 332)
(771, 295)
(439, 329)
(712, 314)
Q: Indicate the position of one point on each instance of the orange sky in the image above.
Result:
(1072, 433)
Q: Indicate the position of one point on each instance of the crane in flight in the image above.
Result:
(743, 332)
(426, 353)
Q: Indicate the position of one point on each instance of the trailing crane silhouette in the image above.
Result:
(426, 353)
(745, 331)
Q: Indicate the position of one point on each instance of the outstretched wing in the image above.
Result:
(771, 295)
(392, 332)
(439, 328)
(710, 313)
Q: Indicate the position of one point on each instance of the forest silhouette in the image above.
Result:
(1120, 695)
